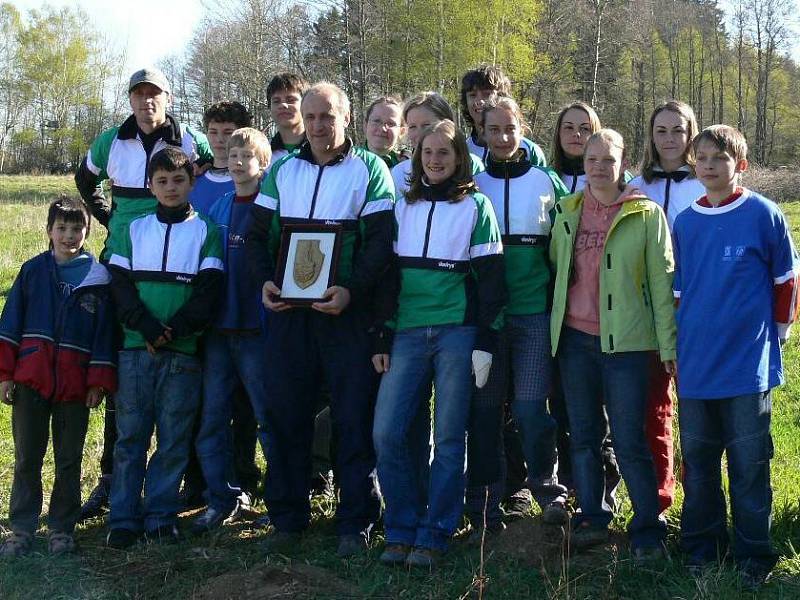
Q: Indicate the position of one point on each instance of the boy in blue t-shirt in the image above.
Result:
(235, 346)
(220, 120)
(735, 281)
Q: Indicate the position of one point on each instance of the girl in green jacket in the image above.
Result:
(612, 307)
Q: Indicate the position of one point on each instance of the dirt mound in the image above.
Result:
(268, 582)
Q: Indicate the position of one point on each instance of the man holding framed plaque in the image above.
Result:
(320, 239)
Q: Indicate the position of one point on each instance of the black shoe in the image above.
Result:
(351, 545)
(752, 577)
(121, 538)
(281, 542)
(97, 502)
(165, 534)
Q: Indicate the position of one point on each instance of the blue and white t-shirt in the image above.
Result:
(728, 261)
(209, 186)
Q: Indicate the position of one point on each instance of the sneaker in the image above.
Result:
(585, 536)
(648, 555)
(555, 513)
(213, 519)
(262, 522)
(59, 542)
(280, 542)
(121, 538)
(423, 558)
(16, 544)
(164, 534)
(350, 545)
(97, 502)
(518, 505)
(394, 554)
(493, 531)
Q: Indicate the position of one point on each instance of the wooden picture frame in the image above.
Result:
(307, 262)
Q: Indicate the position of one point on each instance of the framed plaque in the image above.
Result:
(307, 261)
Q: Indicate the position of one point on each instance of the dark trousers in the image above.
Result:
(31, 420)
(302, 346)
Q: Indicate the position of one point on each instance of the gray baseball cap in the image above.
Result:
(149, 75)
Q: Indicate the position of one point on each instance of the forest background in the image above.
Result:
(62, 81)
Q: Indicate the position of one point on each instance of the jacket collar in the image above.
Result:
(516, 167)
(171, 130)
(277, 143)
(571, 205)
(178, 214)
(306, 154)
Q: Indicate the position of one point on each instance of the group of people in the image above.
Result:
(489, 315)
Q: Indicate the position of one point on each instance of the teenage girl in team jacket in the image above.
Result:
(522, 196)
(575, 123)
(384, 127)
(445, 297)
(612, 307)
(667, 179)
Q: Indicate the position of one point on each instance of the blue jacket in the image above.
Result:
(58, 346)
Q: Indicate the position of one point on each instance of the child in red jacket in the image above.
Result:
(57, 361)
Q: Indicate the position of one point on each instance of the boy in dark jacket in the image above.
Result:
(56, 360)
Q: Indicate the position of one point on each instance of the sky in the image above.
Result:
(148, 39)
(132, 23)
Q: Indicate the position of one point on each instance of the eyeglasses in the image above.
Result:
(379, 123)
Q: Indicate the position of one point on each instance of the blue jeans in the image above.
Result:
(621, 379)
(230, 360)
(523, 358)
(739, 426)
(442, 354)
(161, 391)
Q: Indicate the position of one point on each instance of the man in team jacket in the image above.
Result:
(328, 180)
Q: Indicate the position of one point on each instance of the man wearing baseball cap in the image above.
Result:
(122, 154)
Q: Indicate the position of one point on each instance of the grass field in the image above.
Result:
(527, 563)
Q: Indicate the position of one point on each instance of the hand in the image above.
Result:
(269, 293)
(381, 363)
(338, 300)
(481, 365)
(162, 340)
(671, 367)
(94, 396)
(7, 392)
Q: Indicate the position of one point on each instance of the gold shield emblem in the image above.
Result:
(308, 261)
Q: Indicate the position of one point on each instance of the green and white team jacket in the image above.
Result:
(354, 190)
(167, 262)
(449, 263)
(523, 196)
(119, 154)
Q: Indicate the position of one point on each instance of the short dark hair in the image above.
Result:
(170, 159)
(485, 77)
(461, 182)
(228, 111)
(290, 82)
(726, 138)
(70, 210)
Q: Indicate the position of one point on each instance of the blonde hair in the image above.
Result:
(614, 139)
(650, 158)
(558, 159)
(461, 181)
(248, 136)
(389, 101)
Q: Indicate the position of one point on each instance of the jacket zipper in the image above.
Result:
(507, 200)
(428, 230)
(666, 197)
(165, 254)
(316, 191)
(574, 184)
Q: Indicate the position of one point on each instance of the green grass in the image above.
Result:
(526, 564)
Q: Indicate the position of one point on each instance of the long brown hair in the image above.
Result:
(650, 158)
(461, 182)
(558, 159)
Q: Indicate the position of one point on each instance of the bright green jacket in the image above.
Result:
(636, 302)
